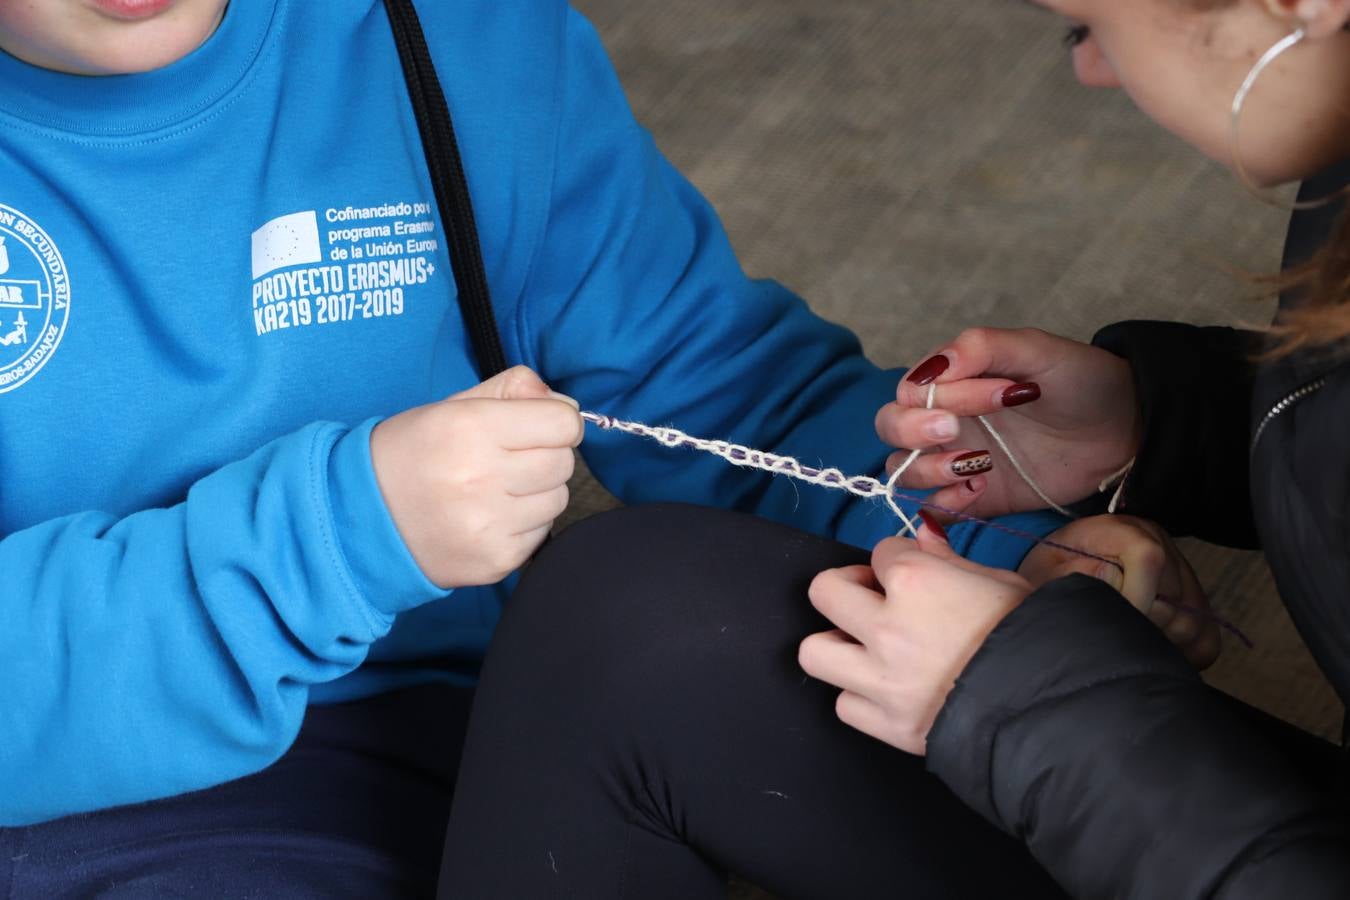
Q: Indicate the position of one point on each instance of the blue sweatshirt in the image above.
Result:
(216, 277)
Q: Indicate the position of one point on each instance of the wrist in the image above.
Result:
(381, 564)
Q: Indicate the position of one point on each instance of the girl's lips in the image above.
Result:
(132, 10)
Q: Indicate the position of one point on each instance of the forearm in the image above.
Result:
(172, 649)
(654, 320)
(1080, 729)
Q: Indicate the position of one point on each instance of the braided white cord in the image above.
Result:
(750, 458)
(859, 485)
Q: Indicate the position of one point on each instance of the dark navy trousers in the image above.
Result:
(355, 809)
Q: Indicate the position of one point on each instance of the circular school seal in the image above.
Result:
(34, 298)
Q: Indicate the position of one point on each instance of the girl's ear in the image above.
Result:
(1321, 18)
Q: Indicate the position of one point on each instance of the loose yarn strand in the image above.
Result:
(1117, 478)
(1022, 472)
(894, 481)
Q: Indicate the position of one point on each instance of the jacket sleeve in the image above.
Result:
(637, 306)
(1078, 728)
(172, 649)
(1194, 387)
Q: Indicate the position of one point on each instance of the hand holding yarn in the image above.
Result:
(475, 481)
(906, 628)
(1068, 408)
(1150, 572)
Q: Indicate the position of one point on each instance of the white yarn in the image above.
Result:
(1017, 466)
(749, 457)
(894, 481)
(859, 485)
(1118, 478)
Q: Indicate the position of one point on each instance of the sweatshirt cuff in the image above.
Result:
(380, 564)
(1194, 387)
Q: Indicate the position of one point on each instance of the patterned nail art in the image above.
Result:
(975, 463)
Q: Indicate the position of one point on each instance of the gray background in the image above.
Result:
(914, 167)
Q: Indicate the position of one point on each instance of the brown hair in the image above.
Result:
(1321, 320)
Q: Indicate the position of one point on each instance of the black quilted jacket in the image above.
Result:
(1080, 729)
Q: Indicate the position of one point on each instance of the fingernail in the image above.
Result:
(975, 485)
(943, 427)
(1019, 394)
(932, 524)
(554, 395)
(1111, 575)
(929, 371)
(973, 463)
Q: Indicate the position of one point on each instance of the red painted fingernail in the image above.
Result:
(1019, 394)
(929, 371)
(972, 486)
(973, 463)
(932, 524)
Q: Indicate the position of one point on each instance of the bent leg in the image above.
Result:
(642, 726)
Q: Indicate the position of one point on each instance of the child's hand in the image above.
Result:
(909, 624)
(905, 629)
(1067, 409)
(475, 481)
(1153, 568)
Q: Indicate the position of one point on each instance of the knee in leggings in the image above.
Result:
(661, 588)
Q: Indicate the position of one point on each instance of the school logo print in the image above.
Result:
(34, 298)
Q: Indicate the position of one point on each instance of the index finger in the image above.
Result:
(971, 397)
(1011, 355)
(843, 597)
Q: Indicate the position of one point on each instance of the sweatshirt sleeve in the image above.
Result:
(1078, 728)
(1194, 387)
(172, 649)
(637, 306)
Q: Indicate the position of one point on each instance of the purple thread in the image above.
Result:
(1206, 614)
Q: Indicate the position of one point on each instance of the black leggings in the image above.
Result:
(642, 727)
